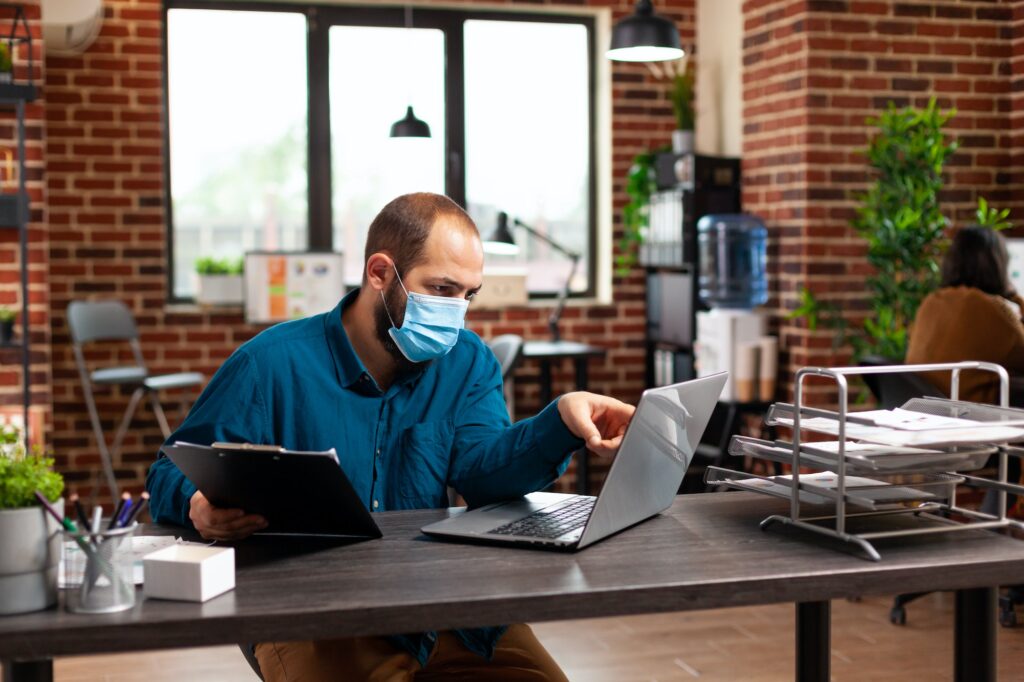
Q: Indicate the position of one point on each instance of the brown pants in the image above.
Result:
(518, 656)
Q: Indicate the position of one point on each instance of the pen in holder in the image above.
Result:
(104, 562)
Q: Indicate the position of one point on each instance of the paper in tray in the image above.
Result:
(866, 457)
(948, 434)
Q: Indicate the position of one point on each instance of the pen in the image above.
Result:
(125, 497)
(125, 512)
(143, 501)
(97, 518)
(79, 509)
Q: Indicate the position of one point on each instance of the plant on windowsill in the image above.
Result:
(6, 63)
(904, 227)
(29, 537)
(220, 281)
(7, 317)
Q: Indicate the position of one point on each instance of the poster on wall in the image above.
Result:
(283, 286)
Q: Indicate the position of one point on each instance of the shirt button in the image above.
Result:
(376, 504)
(378, 452)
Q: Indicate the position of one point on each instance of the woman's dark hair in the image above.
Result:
(977, 258)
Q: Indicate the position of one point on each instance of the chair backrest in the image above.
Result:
(507, 348)
(893, 390)
(101, 321)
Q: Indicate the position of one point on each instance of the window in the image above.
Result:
(509, 98)
(237, 135)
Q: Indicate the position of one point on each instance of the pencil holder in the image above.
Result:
(98, 570)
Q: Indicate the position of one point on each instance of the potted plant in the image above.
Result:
(7, 317)
(6, 63)
(220, 281)
(681, 96)
(30, 539)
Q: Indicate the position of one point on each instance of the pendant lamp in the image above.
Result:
(410, 126)
(645, 37)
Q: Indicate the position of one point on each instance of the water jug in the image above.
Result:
(732, 253)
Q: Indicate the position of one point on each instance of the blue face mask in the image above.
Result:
(431, 325)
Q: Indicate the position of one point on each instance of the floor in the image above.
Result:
(754, 643)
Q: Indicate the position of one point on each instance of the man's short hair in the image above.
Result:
(402, 227)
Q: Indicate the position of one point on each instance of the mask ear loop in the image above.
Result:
(384, 300)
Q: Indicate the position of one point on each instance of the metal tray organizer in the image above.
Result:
(882, 462)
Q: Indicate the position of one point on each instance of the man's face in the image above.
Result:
(452, 266)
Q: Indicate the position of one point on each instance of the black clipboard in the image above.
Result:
(298, 493)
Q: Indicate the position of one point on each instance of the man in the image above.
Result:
(413, 403)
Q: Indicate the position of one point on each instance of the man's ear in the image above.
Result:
(379, 270)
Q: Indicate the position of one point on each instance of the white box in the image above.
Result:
(503, 287)
(720, 334)
(188, 572)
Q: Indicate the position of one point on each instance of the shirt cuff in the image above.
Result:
(554, 439)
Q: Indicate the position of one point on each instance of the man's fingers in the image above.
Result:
(216, 517)
(253, 520)
(583, 424)
(607, 448)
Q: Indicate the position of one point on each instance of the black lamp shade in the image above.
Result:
(410, 126)
(645, 37)
(501, 241)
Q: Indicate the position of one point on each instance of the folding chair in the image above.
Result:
(91, 321)
(508, 349)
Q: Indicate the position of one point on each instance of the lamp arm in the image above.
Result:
(563, 295)
(547, 240)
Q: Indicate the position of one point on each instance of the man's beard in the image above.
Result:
(383, 324)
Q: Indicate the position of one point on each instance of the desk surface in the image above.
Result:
(705, 552)
(560, 349)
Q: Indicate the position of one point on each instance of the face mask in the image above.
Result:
(431, 325)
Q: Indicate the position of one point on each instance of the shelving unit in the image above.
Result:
(14, 215)
(689, 187)
(920, 480)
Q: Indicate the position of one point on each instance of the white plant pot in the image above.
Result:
(219, 290)
(682, 141)
(30, 542)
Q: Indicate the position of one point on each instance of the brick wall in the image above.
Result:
(10, 252)
(104, 160)
(829, 65)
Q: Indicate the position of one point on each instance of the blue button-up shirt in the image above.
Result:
(301, 385)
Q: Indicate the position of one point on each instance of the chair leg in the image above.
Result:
(161, 418)
(126, 421)
(101, 442)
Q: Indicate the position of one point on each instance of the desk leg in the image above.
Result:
(28, 671)
(545, 383)
(813, 641)
(583, 460)
(974, 647)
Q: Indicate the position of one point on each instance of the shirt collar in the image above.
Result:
(350, 369)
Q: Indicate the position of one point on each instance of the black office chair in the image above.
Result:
(892, 391)
(249, 651)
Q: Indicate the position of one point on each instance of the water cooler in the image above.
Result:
(732, 283)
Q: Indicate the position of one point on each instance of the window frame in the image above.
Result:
(319, 20)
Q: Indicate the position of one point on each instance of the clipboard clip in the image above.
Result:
(247, 447)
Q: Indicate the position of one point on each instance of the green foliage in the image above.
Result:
(901, 220)
(986, 216)
(221, 266)
(20, 478)
(6, 63)
(682, 98)
(7, 314)
(9, 434)
(640, 185)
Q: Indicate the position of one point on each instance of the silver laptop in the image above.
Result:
(643, 480)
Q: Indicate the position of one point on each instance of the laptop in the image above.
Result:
(644, 478)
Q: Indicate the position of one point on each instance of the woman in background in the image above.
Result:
(975, 315)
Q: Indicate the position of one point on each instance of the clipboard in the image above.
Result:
(298, 493)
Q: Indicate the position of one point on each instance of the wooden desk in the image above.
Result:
(580, 354)
(706, 552)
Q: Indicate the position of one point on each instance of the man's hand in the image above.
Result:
(597, 419)
(214, 523)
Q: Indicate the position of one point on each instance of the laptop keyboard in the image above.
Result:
(546, 523)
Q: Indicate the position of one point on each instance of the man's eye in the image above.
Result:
(440, 289)
(471, 295)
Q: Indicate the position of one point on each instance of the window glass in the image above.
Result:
(528, 141)
(237, 118)
(375, 73)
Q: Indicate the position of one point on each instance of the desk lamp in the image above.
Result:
(501, 242)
